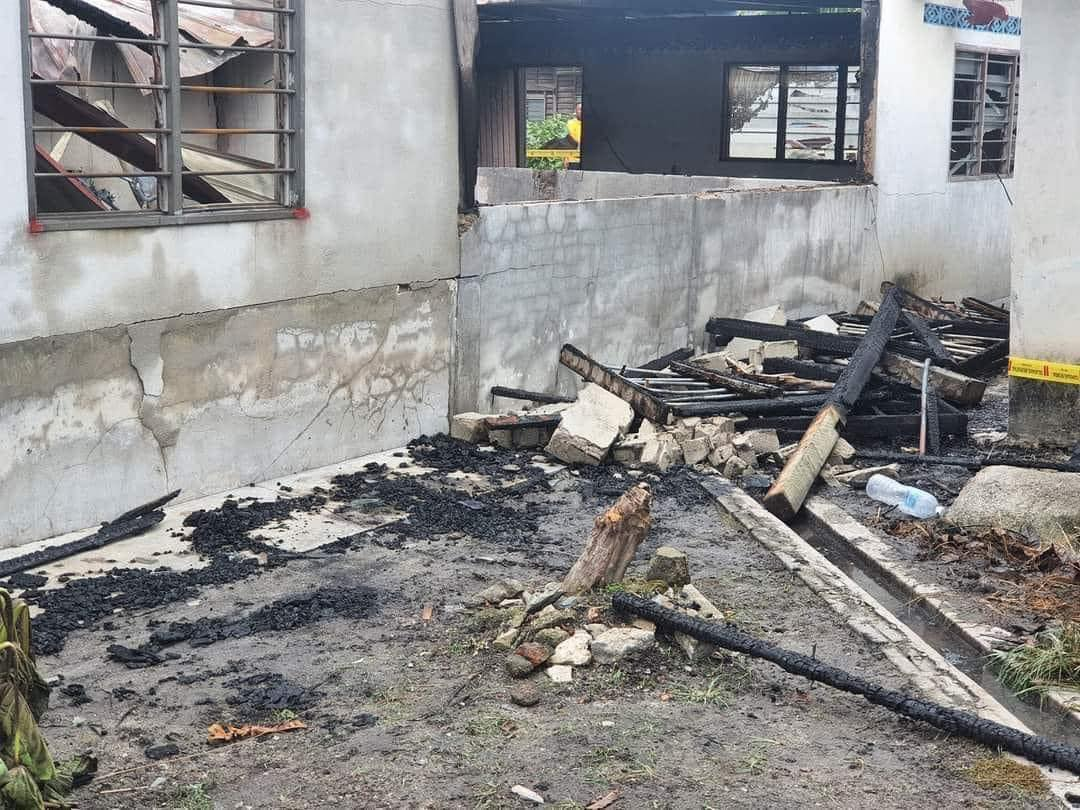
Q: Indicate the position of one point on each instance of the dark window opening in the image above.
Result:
(793, 112)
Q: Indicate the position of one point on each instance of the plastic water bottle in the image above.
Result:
(909, 500)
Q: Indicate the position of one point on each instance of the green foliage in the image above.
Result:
(540, 133)
(1052, 661)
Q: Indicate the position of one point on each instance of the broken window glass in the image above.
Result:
(985, 104)
(793, 112)
(163, 111)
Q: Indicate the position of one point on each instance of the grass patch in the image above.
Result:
(1001, 772)
(639, 587)
(193, 797)
(280, 716)
(756, 761)
(469, 645)
(486, 620)
(1052, 661)
(616, 766)
(489, 725)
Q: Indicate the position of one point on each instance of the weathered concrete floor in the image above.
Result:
(665, 734)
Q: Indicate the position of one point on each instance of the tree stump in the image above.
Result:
(613, 542)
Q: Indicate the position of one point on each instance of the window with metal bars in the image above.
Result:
(792, 113)
(985, 103)
(163, 112)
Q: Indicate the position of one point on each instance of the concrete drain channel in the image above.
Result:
(952, 646)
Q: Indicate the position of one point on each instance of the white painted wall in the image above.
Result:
(381, 186)
(939, 236)
(1046, 272)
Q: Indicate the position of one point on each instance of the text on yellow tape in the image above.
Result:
(1044, 370)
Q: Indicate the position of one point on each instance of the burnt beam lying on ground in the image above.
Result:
(644, 403)
(929, 338)
(786, 496)
(824, 342)
(131, 523)
(739, 385)
(969, 462)
(528, 396)
(660, 363)
(951, 721)
(862, 426)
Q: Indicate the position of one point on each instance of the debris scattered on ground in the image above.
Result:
(226, 733)
(527, 794)
(614, 541)
(1005, 773)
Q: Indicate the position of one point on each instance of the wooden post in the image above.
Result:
(786, 496)
(466, 36)
(613, 542)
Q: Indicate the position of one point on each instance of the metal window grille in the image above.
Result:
(792, 113)
(986, 101)
(171, 165)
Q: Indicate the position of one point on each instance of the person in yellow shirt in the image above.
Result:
(573, 127)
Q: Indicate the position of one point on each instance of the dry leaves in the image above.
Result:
(604, 801)
(227, 733)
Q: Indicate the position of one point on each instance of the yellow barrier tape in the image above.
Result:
(1044, 370)
(563, 154)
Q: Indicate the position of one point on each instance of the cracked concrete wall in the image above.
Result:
(937, 236)
(495, 186)
(380, 214)
(628, 280)
(95, 423)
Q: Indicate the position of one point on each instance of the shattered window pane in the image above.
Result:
(985, 103)
(793, 112)
(140, 115)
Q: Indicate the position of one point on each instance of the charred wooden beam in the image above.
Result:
(660, 363)
(131, 147)
(644, 403)
(802, 368)
(791, 487)
(952, 385)
(131, 523)
(837, 345)
(739, 385)
(985, 361)
(522, 420)
(870, 427)
(928, 309)
(528, 396)
(988, 310)
(968, 462)
(929, 338)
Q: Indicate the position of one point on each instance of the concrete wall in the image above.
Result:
(631, 279)
(500, 185)
(207, 356)
(1046, 243)
(938, 236)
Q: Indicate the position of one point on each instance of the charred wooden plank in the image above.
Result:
(643, 402)
(929, 338)
(952, 385)
(660, 363)
(984, 308)
(146, 508)
(985, 361)
(730, 381)
(522, 420)
(791, 487)
(529, 396)
(970, 462)
(928, 309)
(860, 426)
(837, 345)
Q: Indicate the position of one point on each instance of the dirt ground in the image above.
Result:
(404, 713)
(982, 583)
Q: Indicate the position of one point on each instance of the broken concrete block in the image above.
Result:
(648, 428)
(560, 673)
(620, 642)
(574, 650)
(1041, 505)
(590, 427)
(788, 349)
(763, 441)
(518, 667)
(671, 566)
(842, 453)
(858, 478)
(695, 650)
(699, 602)
(505, 641)
(688, 422)
(696, 450)
(734, 467)
(713, 361)
(661, 451)
(551, 637)
(629, 450)
(469, 427)
(740, 348)
(823, 323)
(720, 455)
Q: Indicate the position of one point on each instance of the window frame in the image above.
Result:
(290, 163)
(844, 73)
(1014, 113)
